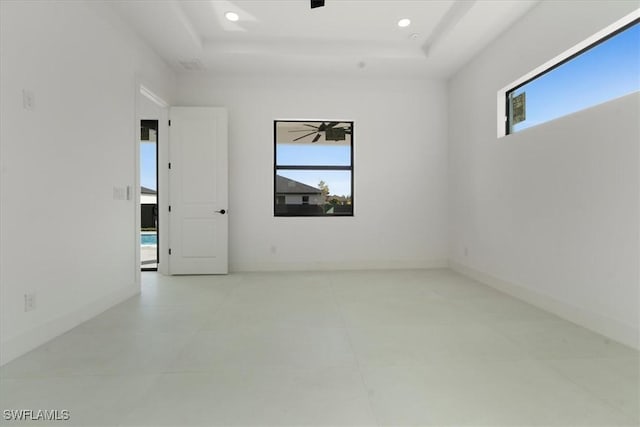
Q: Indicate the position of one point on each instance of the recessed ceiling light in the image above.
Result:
(232, 16)
(404, 22)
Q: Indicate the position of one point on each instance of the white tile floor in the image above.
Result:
(420, 347)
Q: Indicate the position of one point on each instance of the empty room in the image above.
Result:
(320, 213)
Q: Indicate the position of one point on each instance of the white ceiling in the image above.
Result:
(346, 37)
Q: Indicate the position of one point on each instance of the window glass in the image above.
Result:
(313, 168)
(606, 70)
(313, 154)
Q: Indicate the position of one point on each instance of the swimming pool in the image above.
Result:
(148, 239)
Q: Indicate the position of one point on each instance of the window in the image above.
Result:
(605, 69)
(313, 168)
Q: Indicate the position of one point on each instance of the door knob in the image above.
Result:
(221, 212)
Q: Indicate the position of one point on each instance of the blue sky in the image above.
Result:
(148, 165)
(607, 71)
(314, 154)
(339, 182)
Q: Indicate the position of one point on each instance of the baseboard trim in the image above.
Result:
(610, 328)
(18, 345)
(241, 267)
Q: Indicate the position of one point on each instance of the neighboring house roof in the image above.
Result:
(145, 190)
(289, 186)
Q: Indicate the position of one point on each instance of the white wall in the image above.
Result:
(400, 171)
(550, 214)
(74, 246)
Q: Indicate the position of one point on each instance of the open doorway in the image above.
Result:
(149, 239)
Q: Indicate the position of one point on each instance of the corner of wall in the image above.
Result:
(16, 346)
(618, 331)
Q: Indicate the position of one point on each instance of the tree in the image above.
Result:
(324, 188)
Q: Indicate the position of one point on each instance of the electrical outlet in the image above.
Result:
(28, 100)
(29, 301)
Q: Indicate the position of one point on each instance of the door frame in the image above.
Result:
(150, 106)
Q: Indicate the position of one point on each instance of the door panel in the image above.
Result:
(198, 188)
(196, 235)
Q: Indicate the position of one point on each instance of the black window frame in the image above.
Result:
(277, 167)
(507, 111)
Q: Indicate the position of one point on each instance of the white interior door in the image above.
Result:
(198, 191)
